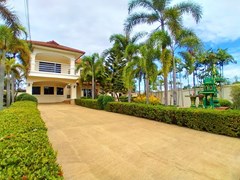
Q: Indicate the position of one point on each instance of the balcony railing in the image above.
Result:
(52, 67)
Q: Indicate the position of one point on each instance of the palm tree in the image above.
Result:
(12, 70)
(124, 50)
(10, 18)
(149, 54)
(6, 37)
(89, 66)
(9, 43)
(168, 18)
(184, 40)
(224, 58)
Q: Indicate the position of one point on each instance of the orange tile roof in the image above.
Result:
(54, 44)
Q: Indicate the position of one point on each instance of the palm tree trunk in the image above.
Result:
(165, 90)
(181, 89)
(144, 79)
(2, 70)
(8, 90)
(139, 86)
(129, 95)
(13, 88)
(189, 89)
(174, 83)
(93, 87)
(147, 90)
(194, 83)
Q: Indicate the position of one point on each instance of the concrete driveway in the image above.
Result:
(95, 144)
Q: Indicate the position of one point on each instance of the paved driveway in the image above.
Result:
(95, 144)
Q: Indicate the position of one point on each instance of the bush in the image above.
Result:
(142, 99)
(25, 151)
(107, 99)
(26, 97)
(225, 103)
(219, 122)
(123, 99)
(90, 103)
(235, 94)
(100, 101)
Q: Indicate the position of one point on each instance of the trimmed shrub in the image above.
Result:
(100, 101)
(123, 99)
(218, 122)
(225, 103)
(25, 151)
(235, 94)
(26, 97)
(90, 103)
(107, 99)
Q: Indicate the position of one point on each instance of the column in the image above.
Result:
(73, 92)
(29, 87)
(33, 55)
(72, 66)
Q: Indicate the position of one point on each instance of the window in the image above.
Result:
(49, 67)
(59, 91)
(87, 92)
(36, 90)
(48, 90)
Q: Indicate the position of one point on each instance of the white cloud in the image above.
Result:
(87, 25)
(220, 21)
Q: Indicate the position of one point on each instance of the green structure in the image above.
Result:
(209, 94)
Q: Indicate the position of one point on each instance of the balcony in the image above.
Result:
(53, 69)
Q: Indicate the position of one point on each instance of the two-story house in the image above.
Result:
(53, 76)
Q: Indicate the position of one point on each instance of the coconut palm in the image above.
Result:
(89, 66)
(12, 70)
(10, 44)
(168, 18)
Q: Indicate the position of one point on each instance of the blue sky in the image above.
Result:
(87, 25)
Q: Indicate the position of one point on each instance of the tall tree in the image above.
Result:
(149, 55)
(169, 18)
(224, 58)
(183, 40)
(13, 70)
(10, 44)
(89, 66)
(117, 57)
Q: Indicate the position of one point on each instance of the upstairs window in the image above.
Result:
(49, 67)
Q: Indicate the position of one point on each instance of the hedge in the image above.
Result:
(218, 122)
(90, 103)
(26, 97)
(25, 151)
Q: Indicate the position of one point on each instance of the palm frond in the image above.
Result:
(140, 18)
(140, 3)
(161, 5)
(192, 8)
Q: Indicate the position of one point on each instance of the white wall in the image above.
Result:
(184, 101)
